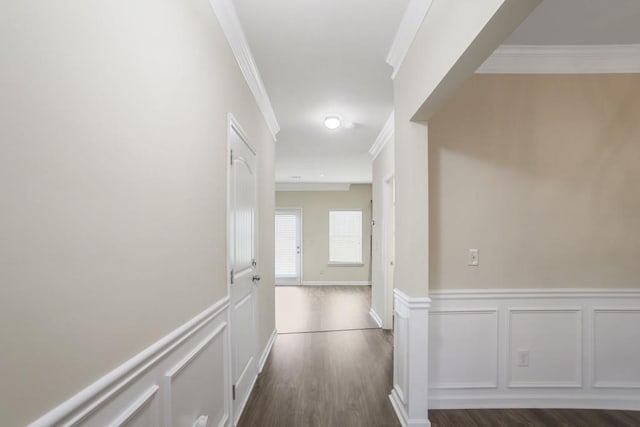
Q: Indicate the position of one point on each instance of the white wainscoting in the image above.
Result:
(409, 396)
(583, 349)
(181, 377)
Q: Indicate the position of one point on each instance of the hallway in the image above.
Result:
(327, 378)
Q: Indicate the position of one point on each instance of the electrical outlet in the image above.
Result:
(474, 257)
(523, 358)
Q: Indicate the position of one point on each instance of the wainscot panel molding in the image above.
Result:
(386, 135)
(409, 26)
(181, 377)
(595, 59)
(548, 348)
(336, 283)
(409, 396)
(226, 13)
(376, 318)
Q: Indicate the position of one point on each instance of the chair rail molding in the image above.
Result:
(409, 396)
(226, 13)
(138, 389)
(546, 348)
(563, 59)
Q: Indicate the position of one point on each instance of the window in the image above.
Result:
(345, 237)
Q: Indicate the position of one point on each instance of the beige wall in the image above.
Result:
(454, 39)
(542, 174)
(315, 213)
(383, 168)
(113, 123)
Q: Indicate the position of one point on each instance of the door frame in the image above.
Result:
(387, 256)
(299, 212)
(234, 126)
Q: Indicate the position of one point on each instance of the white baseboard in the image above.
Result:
(402, 415)
(568, 335)
(267, 350)
(337, 283)
(142, 386)
(375, 317)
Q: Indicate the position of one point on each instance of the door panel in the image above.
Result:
(242, 236)
(288, 250)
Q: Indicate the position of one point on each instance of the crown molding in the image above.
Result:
(386, 134)
(564, 59)
(312, 186)
(226, 13)
(409, 26)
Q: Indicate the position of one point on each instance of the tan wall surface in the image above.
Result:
(542, 175)
(315, 219)
(113, 122)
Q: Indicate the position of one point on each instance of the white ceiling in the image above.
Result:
(580, 22)
(318, 58)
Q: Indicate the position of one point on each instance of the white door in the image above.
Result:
(288, 249)
(242, 264)
(389, 249)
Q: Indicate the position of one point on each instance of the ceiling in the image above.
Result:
(580, 22)
(319, 58)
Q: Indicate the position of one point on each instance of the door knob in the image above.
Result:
(256, 277)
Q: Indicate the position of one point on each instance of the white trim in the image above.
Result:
(312, 186)
(594, 381)
(559, 401)
(564, 59)
(412, 303)
(336, 283)
(401, 413)
(136, 407)
(386, 135)
(267, 350)
(584, 388)
(566, 293)
(409, 26)
(100, 392)
(375, 317)
(227, 16)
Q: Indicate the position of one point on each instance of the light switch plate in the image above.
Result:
(474, 257)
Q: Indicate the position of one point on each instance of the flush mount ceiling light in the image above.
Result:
(332, 122)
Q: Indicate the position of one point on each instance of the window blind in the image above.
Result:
(345, 236)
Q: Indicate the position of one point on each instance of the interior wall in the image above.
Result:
(113, 122)
(540, 173)
(315, 220)
(383, 168)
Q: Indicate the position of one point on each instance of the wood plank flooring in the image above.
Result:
(343, 378)
(322, 308)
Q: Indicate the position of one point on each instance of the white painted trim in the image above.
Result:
(97, 394)
(375, 317)
(336, 283)
(546, 400)
(136, 407)
(409, 26)
(607, 384)
(386, 135)
(412, 303)
(401, 413)
(578, 356)
(267, 350)
(567, 59)
(311, 186)
(581, 390)
(227, 16)
(566, 293)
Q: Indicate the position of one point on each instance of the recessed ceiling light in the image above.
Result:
(295, 176)
(332, 122)
(321, 175)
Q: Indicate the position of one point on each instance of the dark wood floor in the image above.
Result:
(322, 308)
(343, 378)
(325, 379)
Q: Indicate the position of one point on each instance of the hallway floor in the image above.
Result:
(341, 374)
